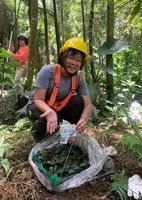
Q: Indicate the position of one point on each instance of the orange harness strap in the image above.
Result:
(57, 77)
(52, 101)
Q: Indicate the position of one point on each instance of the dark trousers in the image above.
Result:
(71, 112)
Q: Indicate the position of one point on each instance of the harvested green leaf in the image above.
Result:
(53, 160)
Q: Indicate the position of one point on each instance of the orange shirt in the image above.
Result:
(22, 55)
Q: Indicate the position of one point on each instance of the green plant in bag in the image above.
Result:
(51, 162)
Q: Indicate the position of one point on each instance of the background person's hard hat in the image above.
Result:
(76, 43)
(23, 35)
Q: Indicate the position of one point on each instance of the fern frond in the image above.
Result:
(119, 185)
(130, 140)
(133, 143)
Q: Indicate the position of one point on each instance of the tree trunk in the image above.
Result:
(141, 56)
(91, 38)
(56, 28)
(16, 24)
(37, 55)
(62, 21)
(32, 43)
(46, 32)
(83, 20)
(109, 58)
(84, 32)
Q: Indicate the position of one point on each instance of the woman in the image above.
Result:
(48, 108)
(21, 56)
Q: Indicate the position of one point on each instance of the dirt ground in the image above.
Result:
(22, 183)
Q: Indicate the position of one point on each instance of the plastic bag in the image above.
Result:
(67, 131)
(96, 154)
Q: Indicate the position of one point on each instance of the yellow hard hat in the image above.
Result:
(76, 43)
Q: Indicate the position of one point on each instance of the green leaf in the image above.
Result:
(91, 58)
(4, 147)
(112, 46)
(12, 64)
(4, 53)
(5, 164)
(119, 185)
(131, 140)
(107, 69)
(109, 108)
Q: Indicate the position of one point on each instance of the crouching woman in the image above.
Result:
(61, 92)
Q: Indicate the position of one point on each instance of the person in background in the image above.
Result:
(61, 92)
(22, 56)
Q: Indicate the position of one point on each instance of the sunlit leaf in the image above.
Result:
(4, 53)
(5, 164)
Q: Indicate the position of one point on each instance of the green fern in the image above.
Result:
(119, 185)
(8, 140)
(5, 164)
(133, 124)
(132, 141)
(4, 148)
(22, 123)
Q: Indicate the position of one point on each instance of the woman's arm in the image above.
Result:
(21, 55)
(48, 113)
(88, 107)
(87, 111)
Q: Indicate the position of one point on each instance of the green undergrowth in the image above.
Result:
(12, 138)
(119, 185)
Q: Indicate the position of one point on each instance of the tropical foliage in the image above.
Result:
(112, 30)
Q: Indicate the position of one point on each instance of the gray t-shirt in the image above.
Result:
(45, 80)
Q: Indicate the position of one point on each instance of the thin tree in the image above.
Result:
(91, 17)
(46, 31)
(57, 32)
(109, 58)
(33, 42)
(84, 31)
(62, 21)
(141, 54)
(15, 23)
(83, 20)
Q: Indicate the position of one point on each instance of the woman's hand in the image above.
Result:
(52, 121)
(48, 113)
(81, 125)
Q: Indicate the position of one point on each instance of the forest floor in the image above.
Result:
(22, 183)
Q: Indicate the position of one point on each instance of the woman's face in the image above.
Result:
(73, 62)
(22, 41)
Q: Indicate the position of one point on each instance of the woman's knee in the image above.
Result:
(32, 112)
(39, 129)
(73, 110)
(77, 101)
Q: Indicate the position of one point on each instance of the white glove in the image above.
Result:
(135, 186)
